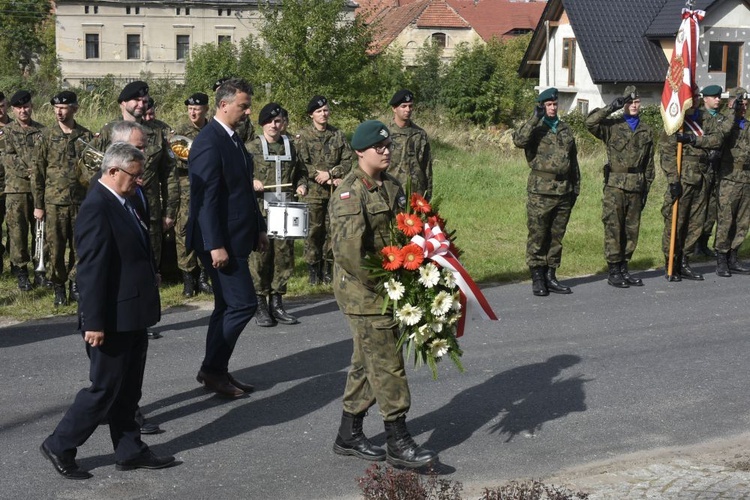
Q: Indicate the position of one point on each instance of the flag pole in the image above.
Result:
(675, 208)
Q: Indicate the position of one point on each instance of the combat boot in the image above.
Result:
(735, 265)
(23, 280)
(688, 272)
(60, 298)
(203, 284)
(630, 280)
(262, 316)
(702, 248)
(401, 449)
(326, 275)
(722, 266)
(538, 283)
(74, 295)
(313, 270)
(40, 279)
(351, 440)
(675, 270)
(615, 277)
(553, 285)
(188, 284)
(278, 312)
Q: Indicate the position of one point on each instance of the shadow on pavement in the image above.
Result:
(38, 331)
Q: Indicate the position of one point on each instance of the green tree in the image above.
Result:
(21, 34)
(427, 75)
(209, 62)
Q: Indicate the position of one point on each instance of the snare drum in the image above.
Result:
(287, 220)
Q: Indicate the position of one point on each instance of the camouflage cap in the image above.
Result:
(631, 92)
(316, 102)
(20, 98)
(268, 113)
(197, 99)
(401, 97)
(64, 97)
(133, 90)
(548, 95)
(711, 91)
(368, 134)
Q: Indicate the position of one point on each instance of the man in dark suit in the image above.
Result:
(119, 300)
(224, 226)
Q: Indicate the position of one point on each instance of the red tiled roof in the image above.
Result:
(389, 22)
(439, 14)
(499, 17)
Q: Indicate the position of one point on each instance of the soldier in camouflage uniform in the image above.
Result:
(627, 179)
(363, 209)
(160, 183)
(692, 187)
(193, 276)
(553, 187)
(22, 140)
(411, 158)
(733, 218)
(328, 158)
(272, 269)
(4, 120)
(57, 192)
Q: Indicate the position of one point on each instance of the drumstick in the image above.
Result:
(277, 185)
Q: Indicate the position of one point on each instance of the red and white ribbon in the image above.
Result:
(436, 247)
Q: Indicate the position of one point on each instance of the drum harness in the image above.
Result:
(277, 196)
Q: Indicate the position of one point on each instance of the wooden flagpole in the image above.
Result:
(675, 208)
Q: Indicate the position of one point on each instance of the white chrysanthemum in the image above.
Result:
(456, 306)
(439, 347)
(441, 304)
(449, 279)
(422, 334)
(437, 325)
(429, 275)
(409, 314)
(395, 289)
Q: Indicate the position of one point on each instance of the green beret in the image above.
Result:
(631, 92)
(548, 95)
(368, 134)
(64, 97)
(20, 98)
(711, 91)
(401, 97)
(133, 90)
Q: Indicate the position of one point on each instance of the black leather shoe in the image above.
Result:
(23, 280)
(219, 384)
(351, 441)
(246, 388)
(152, 335)
(538, 283)
(66, 467)
(203, 284)
(262, 315)
(615, 278)
(553, 285)
(146, 461)
(688, 272)
(629, 279)
(276, 308)
(149, 428)
(60, 298)
(73, 289)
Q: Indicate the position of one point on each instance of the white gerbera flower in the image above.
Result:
(439, 347)
(456, 306)
(437, 325)
(395, 289)
(429, 275)
(422, 334)
(449, 279)
(441, 304)
(453, 319)
(409, 314)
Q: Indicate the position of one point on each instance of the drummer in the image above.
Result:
(279, 175)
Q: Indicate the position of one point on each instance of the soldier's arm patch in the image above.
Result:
(345, 196)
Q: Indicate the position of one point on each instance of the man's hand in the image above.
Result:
(322, 177)
(617, 103)
(685, 138)
(167, 223)
(539, 111)
(219, 257)
(263, 242)
(39, 214)
(675, 190)
(94, 339)
(258, 186)
(301, 190)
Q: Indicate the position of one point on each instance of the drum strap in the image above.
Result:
(287, 156)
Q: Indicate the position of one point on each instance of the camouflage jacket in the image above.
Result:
(21, 146)
(292, 171)
(185, 129)
(245, 131)
(411, 158)
(160, 175)
(2, 157)
(630, 152)
(54, 181)
(361, 217)
(552, 157)
(735, 158)
(695, 159)
(327, 150)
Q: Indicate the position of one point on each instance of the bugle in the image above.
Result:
(39, 246)
(90, 157)
(180, 146)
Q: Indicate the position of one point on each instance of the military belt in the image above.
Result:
(550, 176)
(629, 170)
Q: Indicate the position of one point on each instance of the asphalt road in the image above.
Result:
(559, 381)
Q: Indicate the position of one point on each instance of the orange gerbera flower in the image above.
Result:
(436, 220)
(392, 258)
(419, 204)
(412, 255)
(409, 224)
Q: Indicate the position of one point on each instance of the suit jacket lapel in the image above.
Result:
(125, 218)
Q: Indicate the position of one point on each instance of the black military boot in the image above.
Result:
(326, 275)
(278, 312)
(262, 316)
(688, 272)
(40, 279)
(22, 274)
(401, 449)
(74, 295)
(188, 284)
(702, 248)
(203, 284)
(615, 277)
(538, 283)
(353, 442)
(630, 280)
(735, 266)
(314, 276)
(60, 298)
(553, 285)
(675, 269)
(722, 266)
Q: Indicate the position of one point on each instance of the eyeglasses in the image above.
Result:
(132, 176)
(381, 149)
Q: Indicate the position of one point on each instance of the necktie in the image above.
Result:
(134, 215)
(236, 140)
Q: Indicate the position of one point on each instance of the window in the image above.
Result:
(127, 10)
(187, 11)
(85, 9)
(725, 57)
(220, 11)
(582, 106)
(92, 46)
(183, 47)
(569, 59)
(137, 10)
(439, 39)
(224, 39)
(134, 46)
(177, 11)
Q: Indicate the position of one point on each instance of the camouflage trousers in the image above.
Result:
(546, 219)
(21, 226)
(691, 214)
(377, 373)
(621, 215)
(186, 259)
(712, 207)
(318, 242)
(272, 269)
(733, 218)
(2, 220)
(58, 233)
(156, 225)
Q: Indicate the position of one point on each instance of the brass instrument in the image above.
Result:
(90, 157)
(180, 146)
(39, 246)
